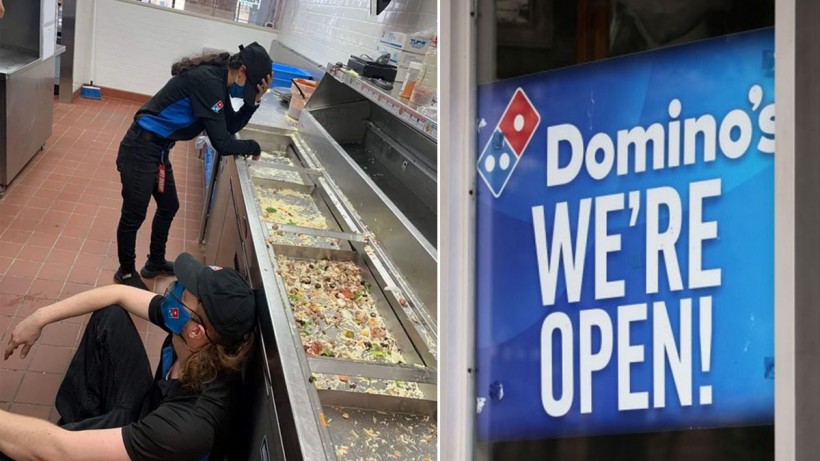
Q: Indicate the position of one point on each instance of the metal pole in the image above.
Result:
(457, 229)
(797, 231)
(785, 440)
(68, 39)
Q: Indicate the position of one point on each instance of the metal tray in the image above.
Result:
(277, 147)
(393, 395)
(283, 173)
(383, 309)
(374, 435)
(322, 229)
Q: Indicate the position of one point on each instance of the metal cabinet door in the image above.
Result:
(216, 217)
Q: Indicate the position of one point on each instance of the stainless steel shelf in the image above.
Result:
(399, 107)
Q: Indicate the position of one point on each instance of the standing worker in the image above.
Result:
(197, 97)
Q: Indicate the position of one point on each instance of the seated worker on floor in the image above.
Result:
(110, 407)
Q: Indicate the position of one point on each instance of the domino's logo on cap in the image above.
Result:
(509, 140)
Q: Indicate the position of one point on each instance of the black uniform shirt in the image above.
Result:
(194, 100)
(182, 424)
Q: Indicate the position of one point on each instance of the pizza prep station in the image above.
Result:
(337, 237)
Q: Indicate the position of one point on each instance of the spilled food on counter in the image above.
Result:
(290, 207)
(351, 334)
(335, 313)
(367, 385)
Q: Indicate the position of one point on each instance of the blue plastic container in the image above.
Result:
(282, 75)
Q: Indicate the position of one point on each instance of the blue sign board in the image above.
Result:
(625, 249)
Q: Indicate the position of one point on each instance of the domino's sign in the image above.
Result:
(625, 253)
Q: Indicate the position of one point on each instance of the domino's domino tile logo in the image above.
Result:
(217, 107)
(508, 142)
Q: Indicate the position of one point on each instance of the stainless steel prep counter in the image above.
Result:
(26, 109)
(362, 389)
(15, 60)
(27, 65)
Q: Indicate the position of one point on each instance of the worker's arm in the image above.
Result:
(134, 300)
(236, 120)
(208, 103)
(224, 143)
(2, 9)
(24, 438)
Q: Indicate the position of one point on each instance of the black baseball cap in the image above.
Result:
(228, 300)
(258, 65)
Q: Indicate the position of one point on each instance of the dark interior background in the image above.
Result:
(566, 32)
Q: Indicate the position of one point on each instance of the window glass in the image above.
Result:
(254, 12)
(538, 35)
(587, 113)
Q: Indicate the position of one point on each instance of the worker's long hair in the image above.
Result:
(216, 59)
(215, 359)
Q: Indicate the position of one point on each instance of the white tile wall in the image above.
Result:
(328, 31)
(135, 45)
(83, 36)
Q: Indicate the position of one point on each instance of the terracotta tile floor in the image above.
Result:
(58, 222)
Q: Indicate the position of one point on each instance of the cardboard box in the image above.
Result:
(406, 42)
(397, 57)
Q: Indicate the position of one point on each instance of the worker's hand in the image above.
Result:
(25, 334)
(257, 149)
(2, 9)
(262, 88)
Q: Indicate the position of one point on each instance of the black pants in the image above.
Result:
(138, 162)
(109, 376)
(109, 381)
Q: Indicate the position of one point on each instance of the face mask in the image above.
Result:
(237, 91)
(174, 312)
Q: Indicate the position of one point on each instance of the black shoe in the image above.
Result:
(154, 269)
(130, 278)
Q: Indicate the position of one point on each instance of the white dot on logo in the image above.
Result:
(504, 162)
(489, 163)
(518, 123)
